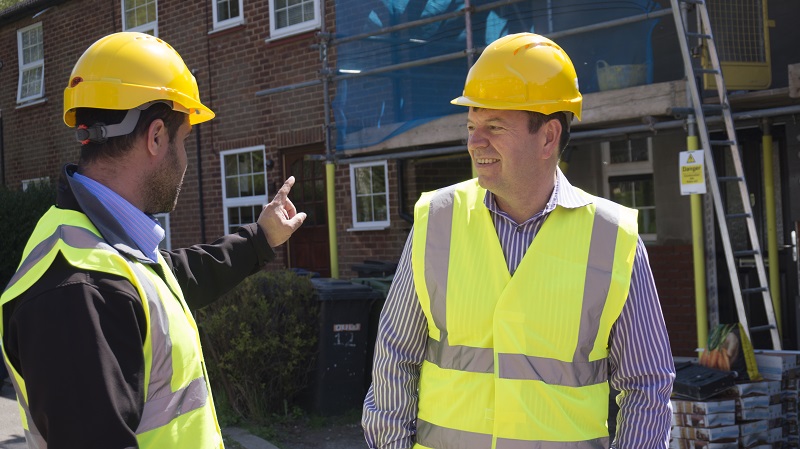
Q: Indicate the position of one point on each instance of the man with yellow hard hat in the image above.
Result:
(519, 298)
(96, 324)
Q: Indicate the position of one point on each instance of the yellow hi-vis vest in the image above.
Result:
(517, 362)
(178, 408)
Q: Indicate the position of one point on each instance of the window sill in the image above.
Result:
(226, 28)
(26, 104)
(368, 228)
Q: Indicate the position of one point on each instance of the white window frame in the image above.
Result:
(254, 200)
(149, 27)
(627, 169)
(308, 25)
(369, 225)
(166, 226)
(230, 22)
(27, 67)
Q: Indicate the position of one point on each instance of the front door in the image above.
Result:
(309, 246)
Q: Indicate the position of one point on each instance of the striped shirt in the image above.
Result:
(142, 228)
(640, 359)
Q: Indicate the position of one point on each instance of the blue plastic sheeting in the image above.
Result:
(370, 109)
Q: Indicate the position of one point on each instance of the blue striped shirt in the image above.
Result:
(142, 228)
(640, 359)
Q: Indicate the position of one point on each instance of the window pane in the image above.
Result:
(378, 179)
(639, 150)
(363, 182)
(234, 8)
(647, 221)
(231, 187)
(245, 186)
(245, 164)
(618, 152)
(381, 211)
(281, 20)
(223, 12)
(621, 193)
(295, 14)
(259, 184)
(363, 209)
(230, 165)
(280, 4)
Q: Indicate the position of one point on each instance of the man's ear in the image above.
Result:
(157, 137)
(552, 135)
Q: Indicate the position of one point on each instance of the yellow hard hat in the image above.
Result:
(524, 72)
(122, 71)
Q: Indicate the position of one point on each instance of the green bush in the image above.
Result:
(260, 344)
(19, 213)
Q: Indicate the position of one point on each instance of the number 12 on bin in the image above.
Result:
(344, 334)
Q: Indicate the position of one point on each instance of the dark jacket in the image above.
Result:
(77, 336)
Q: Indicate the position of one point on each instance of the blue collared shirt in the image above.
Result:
(143, 229)
(640, 359)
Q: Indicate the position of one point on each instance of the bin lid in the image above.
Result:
(338, 289)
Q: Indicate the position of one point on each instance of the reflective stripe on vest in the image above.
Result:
(161, 405)
(432, 435)
(585, 369)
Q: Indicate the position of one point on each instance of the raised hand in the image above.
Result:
(279, 219)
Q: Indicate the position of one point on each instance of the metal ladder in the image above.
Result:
(737, 181)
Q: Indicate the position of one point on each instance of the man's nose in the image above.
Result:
(477, 139)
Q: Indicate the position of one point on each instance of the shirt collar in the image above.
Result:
(564, 195)
(143, 231)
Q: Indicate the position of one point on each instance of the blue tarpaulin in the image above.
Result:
(372, 108)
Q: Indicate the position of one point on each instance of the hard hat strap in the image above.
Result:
(100, 132)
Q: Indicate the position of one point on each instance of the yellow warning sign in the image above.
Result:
(692, 174)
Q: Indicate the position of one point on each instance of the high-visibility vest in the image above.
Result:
(517, 362)
(178, 407)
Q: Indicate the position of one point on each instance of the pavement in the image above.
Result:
(12, 436)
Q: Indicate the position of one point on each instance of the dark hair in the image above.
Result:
(536, 120)
(117, 146)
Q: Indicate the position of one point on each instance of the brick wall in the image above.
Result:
(674, 275)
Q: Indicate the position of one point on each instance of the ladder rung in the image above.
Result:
(750, 291)
(711, 71)
(738, 215)
(699, 35)
(730, 179)
(694, 2)
(746, 252)
(715, 107)
(763, 328)
(722, 143)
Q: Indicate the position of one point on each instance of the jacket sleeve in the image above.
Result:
(641, 364)
(390, 407)
(78, 346)
(206, 272)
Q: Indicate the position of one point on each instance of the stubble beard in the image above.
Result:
(164, 185)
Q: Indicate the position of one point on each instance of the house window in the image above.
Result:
(163, 221)
(35, 182)
(369, 188)
(30, 48)
(244, 186)
(292, 16)
(227, 13)
(140, 15)
(628, 171)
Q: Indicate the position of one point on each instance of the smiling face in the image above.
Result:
(511, 161)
